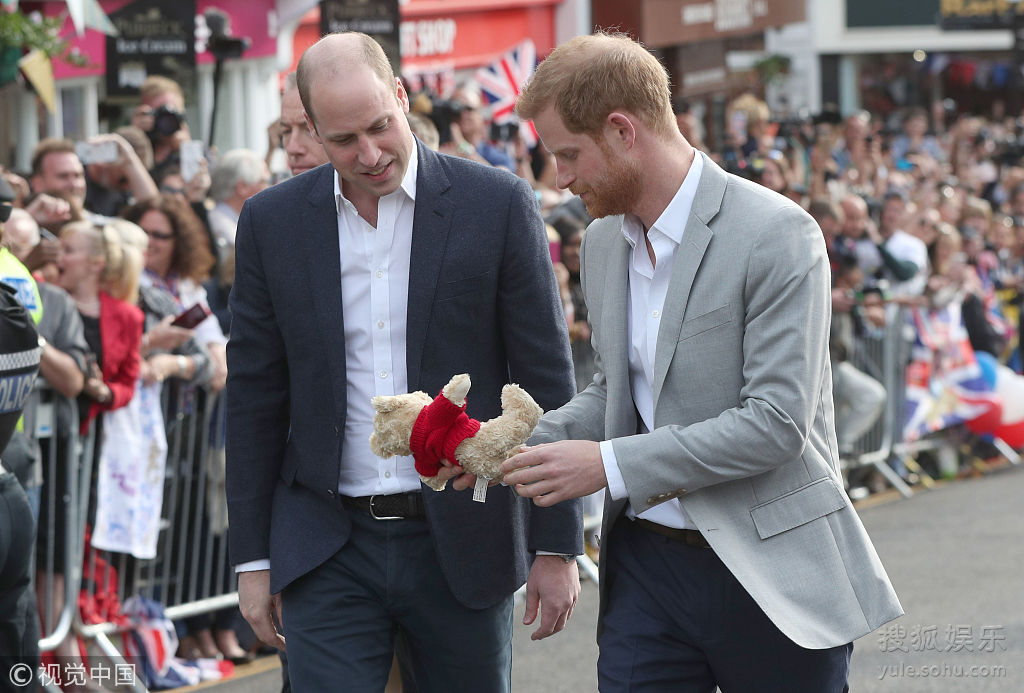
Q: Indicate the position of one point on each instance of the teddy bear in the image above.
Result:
(440, 429)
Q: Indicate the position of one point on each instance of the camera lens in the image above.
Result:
(166, 121)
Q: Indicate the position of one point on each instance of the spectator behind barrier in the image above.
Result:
(237, 176)
(101, 278)
(178, 260)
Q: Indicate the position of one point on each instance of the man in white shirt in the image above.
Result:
(390, 270)
(731, 555)
(904, 257)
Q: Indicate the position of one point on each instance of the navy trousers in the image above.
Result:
(677, 620)
(341, 620)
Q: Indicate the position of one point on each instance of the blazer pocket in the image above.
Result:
(459, 287)
(706, 321)
(816, 499)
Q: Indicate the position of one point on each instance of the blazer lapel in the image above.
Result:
(614, 340)
(317, 231)
(432, 221)
(696, 237)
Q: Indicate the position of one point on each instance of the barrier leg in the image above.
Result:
(1005, 450)
(588, 568)
(111, 652)
(895, 479)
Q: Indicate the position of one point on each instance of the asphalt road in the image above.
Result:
(955, 554)
(956, 557)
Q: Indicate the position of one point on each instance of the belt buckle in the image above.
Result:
(375, 516)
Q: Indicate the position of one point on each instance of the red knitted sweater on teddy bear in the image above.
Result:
(438, 430)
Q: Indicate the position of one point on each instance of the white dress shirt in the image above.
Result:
(648, 287)
(375, 297)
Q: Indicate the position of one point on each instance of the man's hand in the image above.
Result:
(259, 607)
(554, 472)
(553, 586)
(48, 210)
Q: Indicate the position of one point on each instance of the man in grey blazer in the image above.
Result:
(389, 270)
(731, 555)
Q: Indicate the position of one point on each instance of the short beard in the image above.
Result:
(617, 190)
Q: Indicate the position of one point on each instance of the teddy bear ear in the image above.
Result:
(383, 403)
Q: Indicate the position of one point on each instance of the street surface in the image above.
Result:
(956, 557)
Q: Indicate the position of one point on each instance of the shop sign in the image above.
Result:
(674, 22)
(155, 37)
(977, 14)
(378, 18)
(445, 35)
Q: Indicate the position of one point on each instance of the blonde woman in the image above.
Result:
(102, 277)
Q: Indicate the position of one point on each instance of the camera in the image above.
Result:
(504, 132)
(166, 121)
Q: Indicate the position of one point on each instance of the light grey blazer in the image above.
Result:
(744, 428)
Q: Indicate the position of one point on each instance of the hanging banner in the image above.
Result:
(156, 37)
(378, 18)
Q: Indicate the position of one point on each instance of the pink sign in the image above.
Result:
(249, 19)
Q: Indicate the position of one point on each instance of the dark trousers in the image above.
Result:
(341, 620)
(18, 630)
(677, 620)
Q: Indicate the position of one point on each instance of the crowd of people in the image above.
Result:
(108, 244)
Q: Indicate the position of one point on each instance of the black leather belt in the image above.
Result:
(396, 506)
(690, 537)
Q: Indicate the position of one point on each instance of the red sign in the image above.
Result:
(465, 33)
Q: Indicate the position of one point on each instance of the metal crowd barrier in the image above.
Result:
(60, 447)
(190, 574)
(884, 356)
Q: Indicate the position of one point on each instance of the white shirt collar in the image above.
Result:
(672, 220)
(408, 185)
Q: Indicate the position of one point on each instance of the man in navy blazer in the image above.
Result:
(389, 270)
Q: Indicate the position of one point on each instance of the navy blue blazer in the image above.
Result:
(482, 300)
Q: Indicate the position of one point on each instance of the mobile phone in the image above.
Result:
(555, 248)
(191, 153)
(47, 235)
(191, 317)
(96, 152)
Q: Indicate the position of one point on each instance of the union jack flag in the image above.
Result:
(945, 384)
(501, 82)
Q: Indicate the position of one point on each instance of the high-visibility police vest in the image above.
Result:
(14, 273)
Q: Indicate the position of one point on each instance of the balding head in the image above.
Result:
(335, 56)
(855, 211)
(21, 233)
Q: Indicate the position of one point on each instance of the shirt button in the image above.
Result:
(655, 313)
(383, 374)
(380, 274)
(387, 475)
(380, 324)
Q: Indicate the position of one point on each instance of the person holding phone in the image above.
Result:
(177, 260)
(58, 172)
(115, 177)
